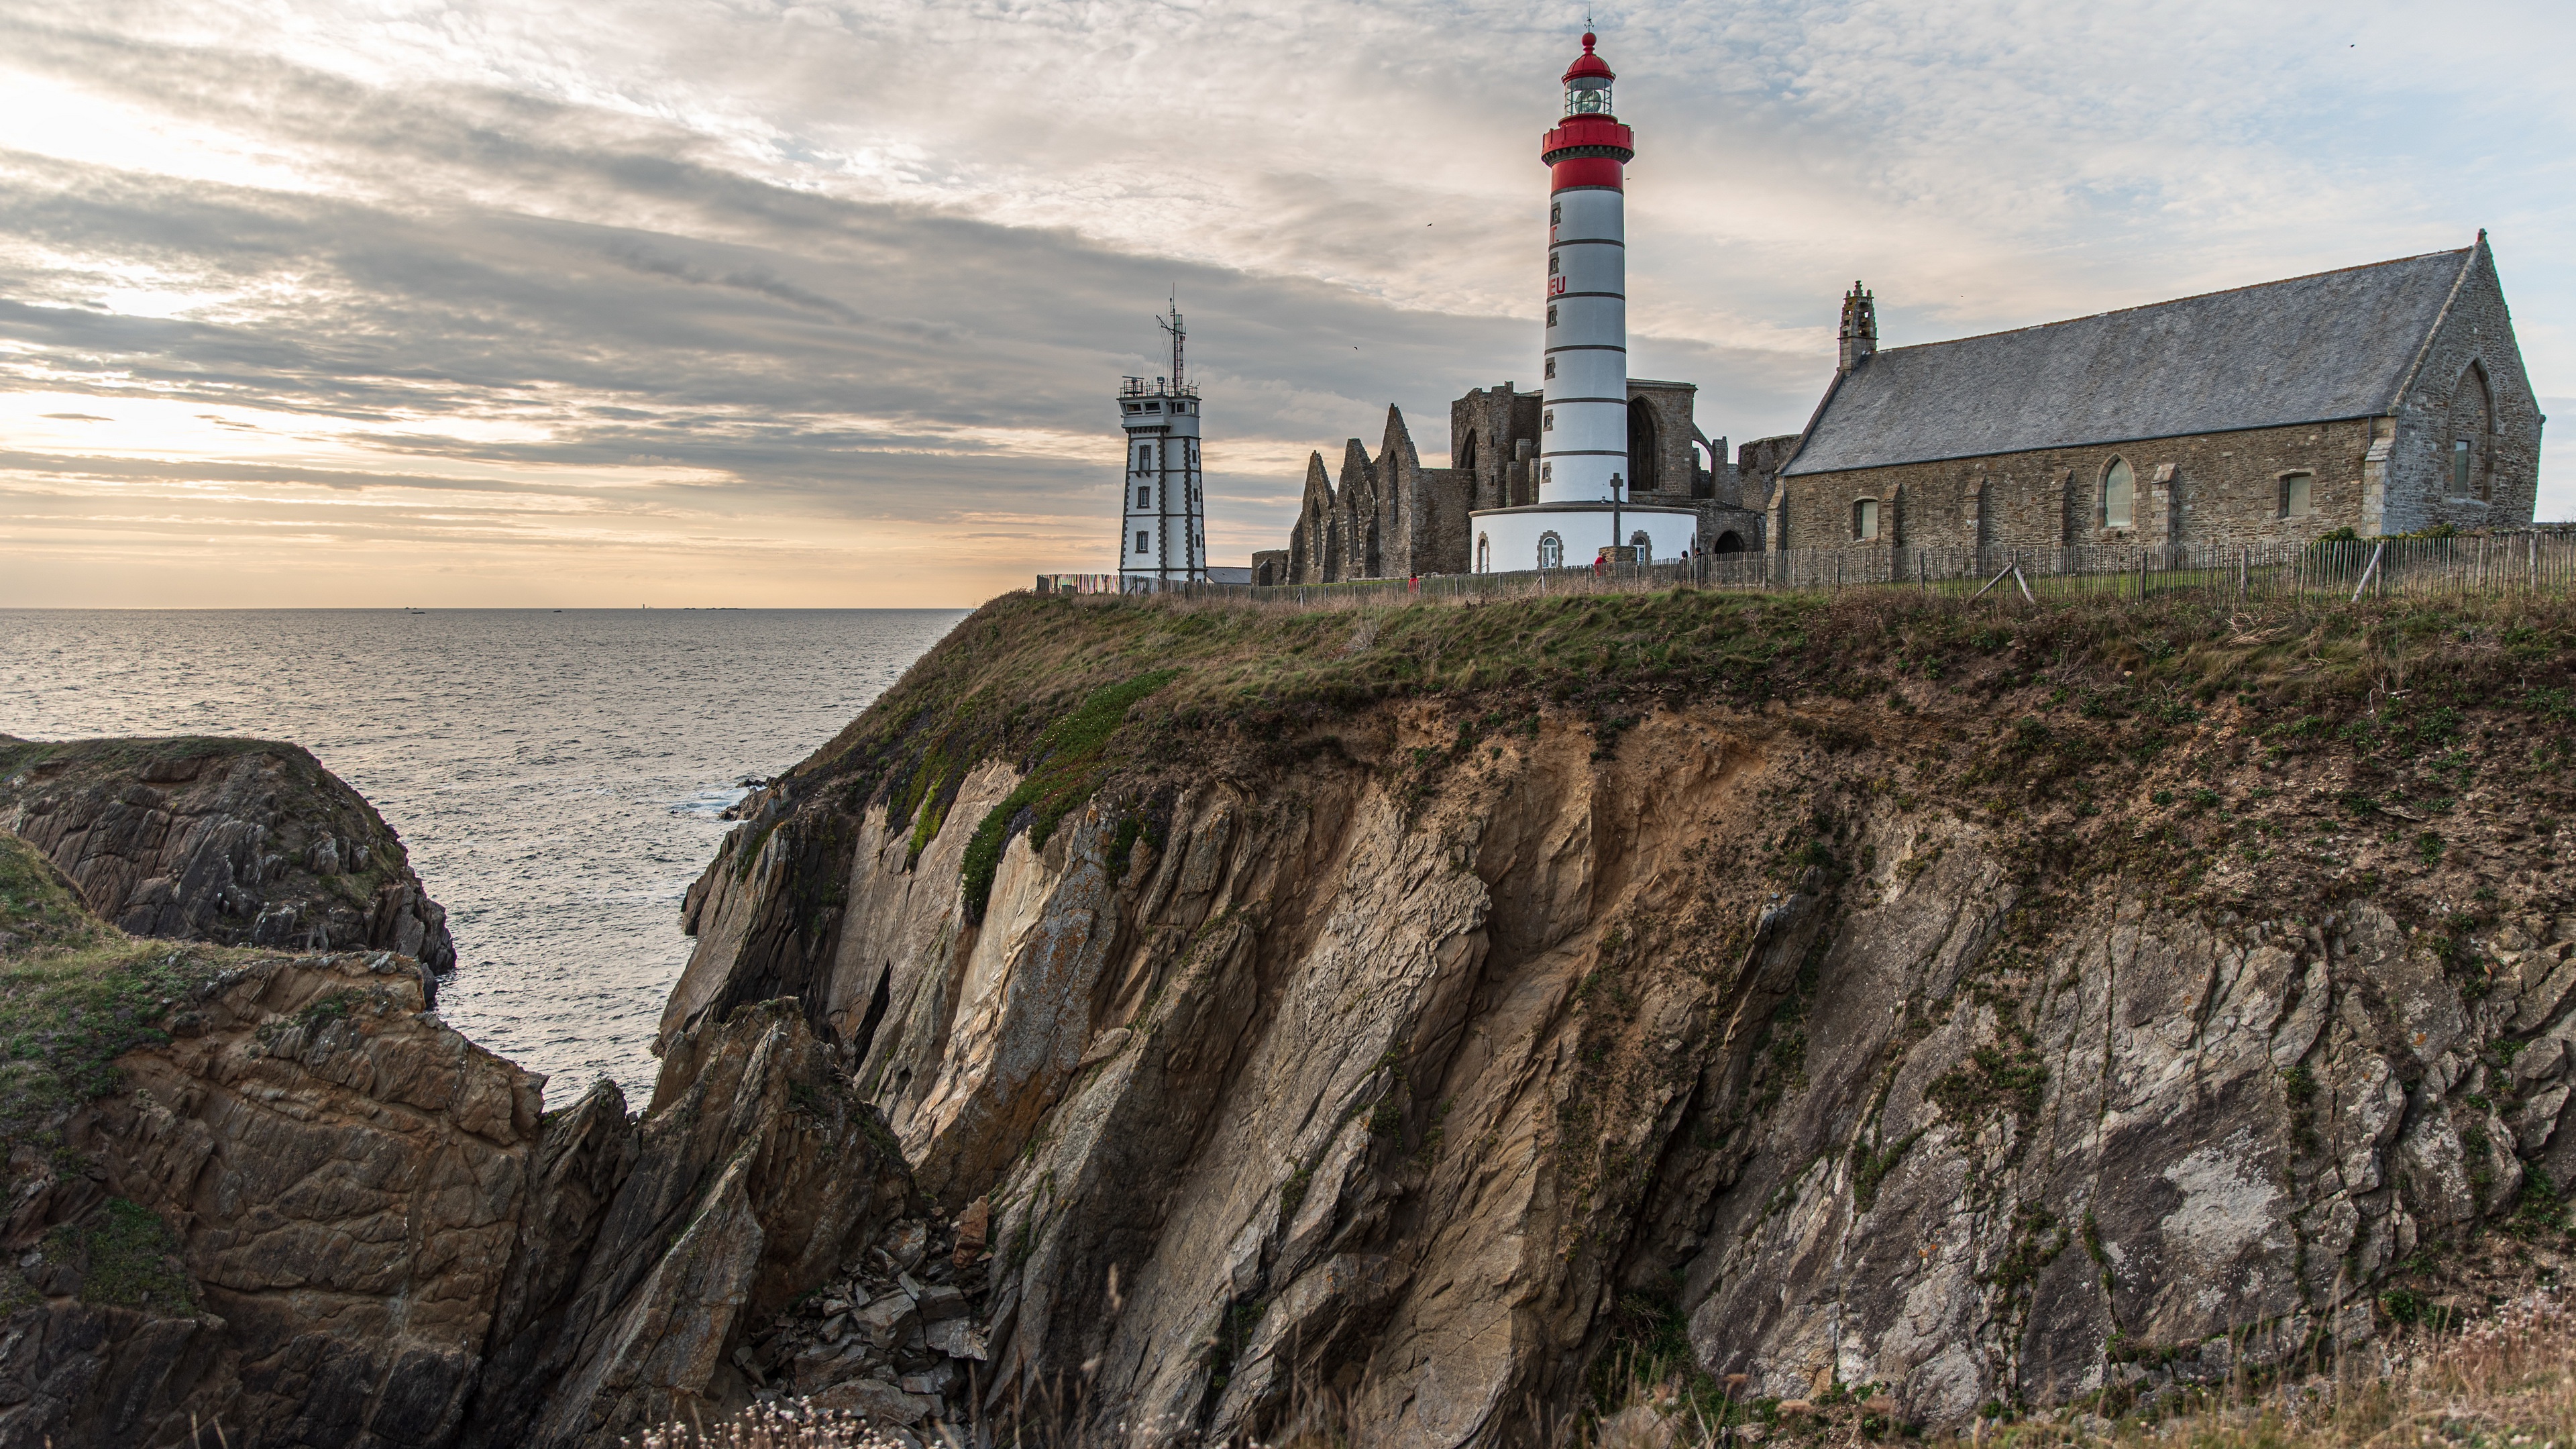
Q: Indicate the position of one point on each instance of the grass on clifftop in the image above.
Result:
(75, 994)
(1267, 685)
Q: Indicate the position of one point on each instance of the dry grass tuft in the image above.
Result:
(2507, 1381)
(2504, 1381)
(772, 1426)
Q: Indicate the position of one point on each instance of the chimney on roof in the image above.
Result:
(1860, 328)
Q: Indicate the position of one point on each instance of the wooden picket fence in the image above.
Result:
(2537, 561)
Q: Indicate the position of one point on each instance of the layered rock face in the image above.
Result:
(1385, 1078)
(238, 842)
(313, 1215)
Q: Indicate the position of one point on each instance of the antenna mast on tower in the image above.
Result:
(1173, 326)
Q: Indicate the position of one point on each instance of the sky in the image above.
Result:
(733, 302)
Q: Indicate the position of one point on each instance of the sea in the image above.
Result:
(557, 774)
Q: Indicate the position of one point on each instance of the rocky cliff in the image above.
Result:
(237, 842)
(276, 1195)
(1391, 1013)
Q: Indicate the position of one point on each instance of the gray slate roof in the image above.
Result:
(2310, 349)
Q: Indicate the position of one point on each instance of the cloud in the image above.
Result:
(852, 284)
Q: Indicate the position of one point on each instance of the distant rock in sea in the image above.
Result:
(235, 842)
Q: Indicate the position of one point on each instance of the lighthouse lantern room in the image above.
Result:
(1162, 536)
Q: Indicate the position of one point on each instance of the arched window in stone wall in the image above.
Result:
(1729, 542)
(1484, 554)
(1644, 543)
(1465, 461)
(1551, 550)
(2472, 420)
(2119, 495)
(1642, 474)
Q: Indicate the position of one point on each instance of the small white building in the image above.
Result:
(1162, 535)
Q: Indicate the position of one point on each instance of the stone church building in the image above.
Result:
(2385, 399)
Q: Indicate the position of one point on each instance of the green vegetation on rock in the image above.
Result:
(39, 909)
(1068, 767)
(67, 1012)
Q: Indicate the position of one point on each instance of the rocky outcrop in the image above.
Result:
(307, 1211)
(1984, 1052)
(236, 842)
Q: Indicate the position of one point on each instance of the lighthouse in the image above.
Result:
(1583, 464)
(1162, 535)
(1583, 421)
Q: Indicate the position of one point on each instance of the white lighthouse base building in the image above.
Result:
(1572, 535)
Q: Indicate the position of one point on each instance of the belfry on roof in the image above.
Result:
(2384, 398)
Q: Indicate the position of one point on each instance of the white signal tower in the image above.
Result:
(1163, 537)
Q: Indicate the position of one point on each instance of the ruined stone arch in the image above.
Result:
(1643, 440)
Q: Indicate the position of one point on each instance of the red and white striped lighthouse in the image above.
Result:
(1584, 469)
(1583, 424)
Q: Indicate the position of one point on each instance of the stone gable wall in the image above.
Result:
(2477, 328)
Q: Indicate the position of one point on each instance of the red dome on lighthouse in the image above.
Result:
(1588, 64)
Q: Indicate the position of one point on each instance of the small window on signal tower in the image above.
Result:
(1551, 316)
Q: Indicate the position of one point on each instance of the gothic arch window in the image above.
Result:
(2119, 495)
(1864, 520)
(1644, 543)
(1551, 550)
(1729, 542)
(1641, 445)
(1484, 554)
(2472, 420)
(1467, 452)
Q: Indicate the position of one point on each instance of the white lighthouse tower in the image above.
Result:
(1163, 536)
(1584, 468)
